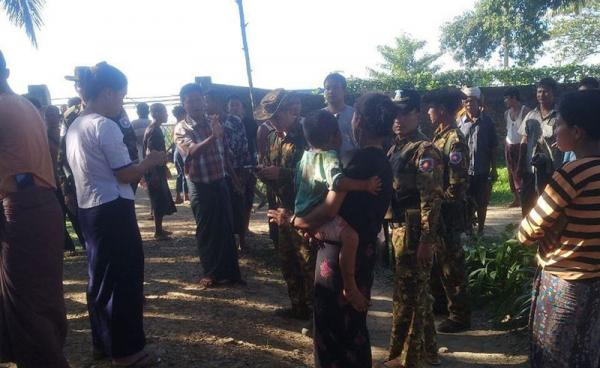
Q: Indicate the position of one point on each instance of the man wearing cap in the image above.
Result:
(414, 217)
(63, 170)
(33, 323)
(335, 95)
(284, 146)
(481, 136)
(449, 260)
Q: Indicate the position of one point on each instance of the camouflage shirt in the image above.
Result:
(284, 150)
(451, 142)
(63, 170)
(418, 169)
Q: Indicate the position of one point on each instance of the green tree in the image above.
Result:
(25, 14)
(576, 35)
(515, 28)
(405, 60)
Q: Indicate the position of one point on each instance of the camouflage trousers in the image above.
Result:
(413, 334)
(448, 278)
(297, 266)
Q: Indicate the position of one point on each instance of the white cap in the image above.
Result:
(472, 92)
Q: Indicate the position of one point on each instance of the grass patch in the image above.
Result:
(501, 193)
(73, 234)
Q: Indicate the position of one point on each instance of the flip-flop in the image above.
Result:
(162, 237)
(394, 365)
(206, 282)
(146, 360)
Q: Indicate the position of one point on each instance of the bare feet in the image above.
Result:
(178, 199)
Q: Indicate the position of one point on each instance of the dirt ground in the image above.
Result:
(236, 327)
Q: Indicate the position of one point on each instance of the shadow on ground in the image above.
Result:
(237, 327)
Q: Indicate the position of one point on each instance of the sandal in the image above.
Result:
(146, 360)
(162, 237)
(392, 364)
(206, 282)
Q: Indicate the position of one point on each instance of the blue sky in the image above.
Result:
(162, 45)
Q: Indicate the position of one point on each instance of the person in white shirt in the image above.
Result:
(335, 95)
(140, 124)
(103, 171)
(513, 146)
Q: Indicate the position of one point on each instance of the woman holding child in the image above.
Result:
(343, 281)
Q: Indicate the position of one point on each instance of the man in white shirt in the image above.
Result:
(513, 146)
(140, 125)
(335, 96)
(540, 158)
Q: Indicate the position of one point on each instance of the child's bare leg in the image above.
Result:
(349, 240)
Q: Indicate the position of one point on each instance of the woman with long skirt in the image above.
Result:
(103, 172)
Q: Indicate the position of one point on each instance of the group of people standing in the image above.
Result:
(334, 179)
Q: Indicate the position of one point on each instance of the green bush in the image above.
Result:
(515, 76)
(500, 273)
(501, 193)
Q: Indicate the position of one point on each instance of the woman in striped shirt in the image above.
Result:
(565, 225)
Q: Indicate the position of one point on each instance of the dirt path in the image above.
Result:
(236, 327)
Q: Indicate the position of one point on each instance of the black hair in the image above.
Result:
(512, 92)
(377, 112)
(142, 110)
(157, 105)
(2, 61)
(448, 98)
(547, 83)
(216, 96)
(52, 107)
(320, 128)
(337, 77)
(188, 89)
(178, 111)
(589, 82)
(234, 98)
(582, 108)
(94, 80)
(73, 101)
(34, 101)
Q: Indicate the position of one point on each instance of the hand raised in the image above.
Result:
(216, 127)
(373, 185)
(156, 158)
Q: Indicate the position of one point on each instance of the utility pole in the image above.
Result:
(246, 52)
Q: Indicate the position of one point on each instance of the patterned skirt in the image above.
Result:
(565, 323)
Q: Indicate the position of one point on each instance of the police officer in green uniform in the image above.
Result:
(414, 216)
(285, 145)
(449, 265)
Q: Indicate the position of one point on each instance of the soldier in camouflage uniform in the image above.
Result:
(285, 145)
(63, 170)
(449, 264)
(414, 215)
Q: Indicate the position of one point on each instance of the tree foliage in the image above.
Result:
(518, 28)
(406, 60)
(514, 76)
(576, 35)
(25, 14)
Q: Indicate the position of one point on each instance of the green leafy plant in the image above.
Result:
(515, 76)
(500, 273)
(501, 193)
